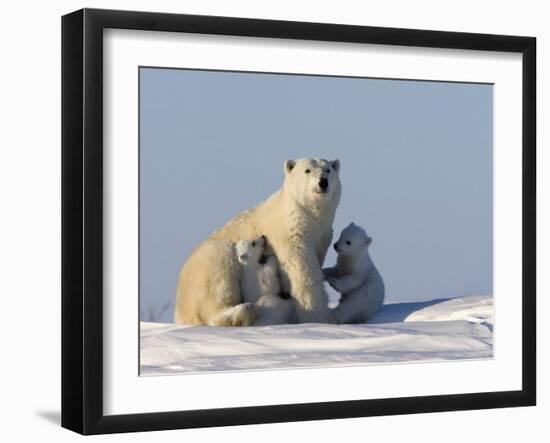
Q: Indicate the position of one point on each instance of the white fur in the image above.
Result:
(297, 221)
(355, 277)
(260, 284)
(244, 314)
(256, 279)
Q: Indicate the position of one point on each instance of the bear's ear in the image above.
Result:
(335, 165)
(243, 258)
(352, 225)
(368, 241)
(289, 165)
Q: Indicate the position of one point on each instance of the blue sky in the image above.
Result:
(416, 170)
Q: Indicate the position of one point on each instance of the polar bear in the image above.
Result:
(355, 277)
(297, 219)
(260, 284)
(244, 314)
(257, 279)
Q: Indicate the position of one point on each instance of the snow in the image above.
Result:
(443, 329)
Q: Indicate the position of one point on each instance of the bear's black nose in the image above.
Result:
(323, 183)
(336, 247)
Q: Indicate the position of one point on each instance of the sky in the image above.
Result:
(416, 170)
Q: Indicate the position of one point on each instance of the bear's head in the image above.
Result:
(313, 182)
(353, 241)
(249, 252)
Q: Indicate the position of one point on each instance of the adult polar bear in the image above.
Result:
(297, 221)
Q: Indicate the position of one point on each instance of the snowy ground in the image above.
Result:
(445, 329)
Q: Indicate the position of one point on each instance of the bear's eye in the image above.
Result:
(328, 171)
(348, 242)
(253, 244)
(307, 171)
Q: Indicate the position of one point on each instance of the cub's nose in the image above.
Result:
(323, 183)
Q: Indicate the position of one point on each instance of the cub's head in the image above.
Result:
(249, 252)
(353, 241)
(313, 181)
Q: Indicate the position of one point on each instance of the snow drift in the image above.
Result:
(445, 329)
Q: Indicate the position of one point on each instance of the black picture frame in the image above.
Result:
(82, 220)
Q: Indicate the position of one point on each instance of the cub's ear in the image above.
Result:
(243, 258)
(289, 165)
(335, 165)
(352, 225)
(368, 241)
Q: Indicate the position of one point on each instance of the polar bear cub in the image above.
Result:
(256, 279)
(260, 284)
(355, 277)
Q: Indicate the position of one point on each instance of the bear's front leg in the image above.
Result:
(244, 314)
(271, 265)
(270, 277)
(301, 267)
(345, 284)
(330, 272)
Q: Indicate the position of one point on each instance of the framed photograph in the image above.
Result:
(268, 221)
